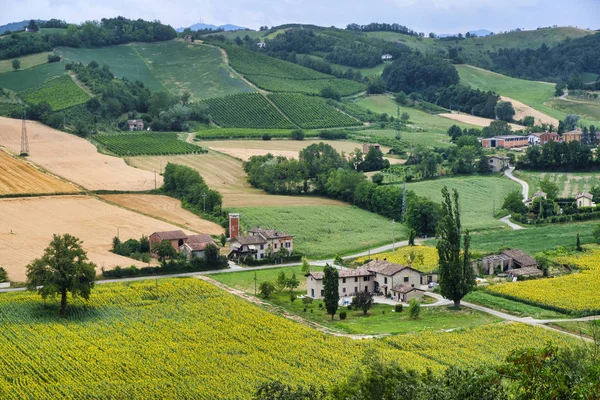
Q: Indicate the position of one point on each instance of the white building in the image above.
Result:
(260, 244)
(387, 57)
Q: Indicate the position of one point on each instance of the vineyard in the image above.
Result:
(575, 293)
(311, 112)
(152, 144)
(60, 93)
(247, 110)
(282, 76)
(247, 133)
(185, 338)
(422, 258)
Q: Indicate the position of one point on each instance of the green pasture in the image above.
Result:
(31, 77)
(29, 61)
(570, 183)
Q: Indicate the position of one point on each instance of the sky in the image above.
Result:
(439, 16)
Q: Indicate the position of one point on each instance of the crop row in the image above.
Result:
(246, 110)
(137, 144)
(344, 87)
(59, 92)
(311, 112)
(188, 339)
(247, 133)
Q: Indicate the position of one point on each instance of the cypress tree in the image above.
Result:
(457, 277)
(330, 288)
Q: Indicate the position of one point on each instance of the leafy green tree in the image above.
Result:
(423, 215)
(281, 281)
(63, 268)
(375, 85)
(330, 93)
(363, 301)
(483, 165)
(405, 117)
(559, 90)
(377, 178)
(457, 277)
(16, 65)
(497, 128)
(211, 256)
(3, 275)
(550, 188)
(578, 244)
(297, 134)
(504, 111)
(455, 132)
(513, 202)
(223, 239)
(185, 98)
(571, 121)
(305, 265)
(144, 244)
(331, 289)
(164, 250)
(401, 98)
(411, 237)
(414, 308)
(596, 233)
(266, 289)
(292, 283)
(529, 121)
(280, 391)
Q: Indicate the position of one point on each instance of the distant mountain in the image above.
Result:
(226, 27)
(15, 26)
(478, 33)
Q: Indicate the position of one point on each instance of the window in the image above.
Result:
(262, 246)
(384, 280)
(406, 279)
(366, 278)
(343, 280)
(344, 290)
(355, 279)
(312, 293)
(322, 293)
(287, 244)
(262, 255)
(275, 245)
(355, 289)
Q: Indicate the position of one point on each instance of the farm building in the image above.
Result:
(387, 57)
(260, 244)
(546, 137)
(515, 262)
(584, 200)
(196, 245)
(499, 163)
(188, 38)
(530, 200)
(367, 146)
(261, 45)
(489, 264)
(520, 259)
(507, 142)
(534, 138)
(377, 276)
(572, 136)
(177, 238)
(135, 124)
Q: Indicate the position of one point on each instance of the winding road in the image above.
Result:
(525, 193)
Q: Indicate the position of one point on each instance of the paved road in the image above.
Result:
(525, 186)
(508, 222)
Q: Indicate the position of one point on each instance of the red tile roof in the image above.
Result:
(170, 235)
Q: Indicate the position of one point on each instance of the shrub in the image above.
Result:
(414, 308)
(343, 315)
(3, 275)
(307, 300)
(266, 289)
(53, 58)
(266, 137)
(297, 134)
(333, 135)
(398, 308)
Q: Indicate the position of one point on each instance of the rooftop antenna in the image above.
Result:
(24, 140)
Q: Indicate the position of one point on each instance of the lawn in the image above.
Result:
(29, 61)
(570, 183)
(479, 197)
(244, 280)
(323, 231)
(512, 307)
(579, 328)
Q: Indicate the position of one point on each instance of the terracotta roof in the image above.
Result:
(251, 240)
(344, 273)
(386, 268)
(202, 238)
(269, 233)
(198, 246)
(584, 194)
(521, 258)
(573, 132)
(404, 289)
(170, 235)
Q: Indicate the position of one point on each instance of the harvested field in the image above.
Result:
(226, 175)
(523, 110)
(27, 225)
(167, 209)
(18, 176)
(74, 158)
(478, 121)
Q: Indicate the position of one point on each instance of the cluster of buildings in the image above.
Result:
(515, 141)
(583, 199)
(190, 245)
(259, 243)
(511, 262)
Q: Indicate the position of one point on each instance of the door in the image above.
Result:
(312, 293)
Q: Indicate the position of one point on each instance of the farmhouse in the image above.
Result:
(499, 163)
(188, 38)
(387, 57)
(509, 142)
(520, 259)
(367, 146)
(378, 276)
(260, 244)
(584, 200)
(177, 238)
(196, 245)
(572, 136)
(135, 124)
(262, 45)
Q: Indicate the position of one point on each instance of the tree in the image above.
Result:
(504, 111)
(292, 283)
(422, 216)
(281, 282)
(483, 165)
(513, 202)
(211, 256)
(163, 250)
(330, 93)
(16, 65)
(331, 289)
(578, 244)
(414, 308)
(266, 289)
(405, 117)
(305, 266)
(33, 27)
(497, 128)
(280, 391)
(144, 244)
(3, 275)
(363, 301)
(223, 239)
(570, 122)
(596, 233)
(529, 121)
(456, 273)
(375, 85)
(185, 98)
(377, 178)
(401, 98)
(411, 237)
(559, 90)
(550, 188)
(455, 132)
(297, 134)
(63, 268)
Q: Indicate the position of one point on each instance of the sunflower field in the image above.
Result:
(184, 338)
(421, 258)
(575, 293)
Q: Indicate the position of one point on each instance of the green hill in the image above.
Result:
(59, 92)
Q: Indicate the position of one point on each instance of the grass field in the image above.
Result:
(323, 231)
(27, 62)
(17, 176)
(177, 333)
(477, 196)
(570, 183)
(586, 109)
(31, 77)
(59, 92)
(512, 307)
(137, 144)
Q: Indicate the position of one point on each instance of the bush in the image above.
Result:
(343, 315)
(53, 58)
(333, 135)
(414, 308)
(266, 137)
(398, 308)
(307, 300)
(3, 275)
(297, 134)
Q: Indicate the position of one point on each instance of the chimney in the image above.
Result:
(234, 226)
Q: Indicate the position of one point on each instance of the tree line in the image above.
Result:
(106, 32)
(559, 156)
